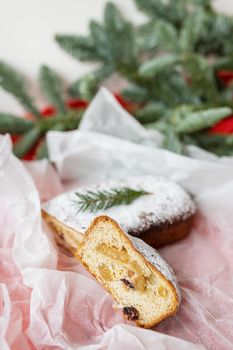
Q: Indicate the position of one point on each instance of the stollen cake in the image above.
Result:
(131, 271)
(162, 217)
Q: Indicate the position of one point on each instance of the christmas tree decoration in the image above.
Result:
(178, 65)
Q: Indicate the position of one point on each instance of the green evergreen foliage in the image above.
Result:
(33, 130)
(27, 142)
(79, 47)
(151, 112)
(14, 83)
(102, 200)
(136, 93)
(171, 63)
(86, 87)
(154, 66)
(52, 88)
(13, 124)
(42, 151)
(172, 141)
(200, 120)
(157, 34)
(61, 122)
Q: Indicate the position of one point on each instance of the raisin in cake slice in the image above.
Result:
(131, 271)
(162, 217)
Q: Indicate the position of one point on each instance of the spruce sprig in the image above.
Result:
(32, 131)
(14, 83)
(15, 125)
(171, 63)
(52, 88)
(104, 199)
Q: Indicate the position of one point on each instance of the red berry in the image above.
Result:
(224, 127)
(226, 76)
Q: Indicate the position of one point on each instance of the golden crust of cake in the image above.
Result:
(65, 236)
(137, 283)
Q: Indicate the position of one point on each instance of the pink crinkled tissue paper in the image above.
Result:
(49, 301)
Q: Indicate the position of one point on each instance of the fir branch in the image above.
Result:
(14, 83)
(112, 18)
(157, 65)
(79, 47)
(28, 140)
(178, 114)
(14, 125)
(202, 119)
(102, 200)
(201, 75)
(214, 140)
(51, 86)
(157, 34)
(64, 122)
(172, 11)
(100, 38)
(160, 125)
(221, 145)
(152, 7)
(123, 51)
(87, 86)
(172, 141)
(136, 93)
(224, 62)
(151, 112)
(171, 89)
(171, 61)
(42, 151)
(192, 30)
(203, 3)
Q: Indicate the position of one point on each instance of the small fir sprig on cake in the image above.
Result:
(104, 199)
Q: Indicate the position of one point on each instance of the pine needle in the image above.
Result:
(102, 200)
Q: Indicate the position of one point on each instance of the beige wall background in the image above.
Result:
(27, 28)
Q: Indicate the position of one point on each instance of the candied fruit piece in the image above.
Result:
(105, 272)
(130, 273)
(136, 267)
(140, 283)
(131, 313)
(163, 292)
(152, 278)
(113, 252)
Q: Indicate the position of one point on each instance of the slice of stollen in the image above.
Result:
(131, 271)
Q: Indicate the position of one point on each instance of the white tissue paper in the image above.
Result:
(48, 300)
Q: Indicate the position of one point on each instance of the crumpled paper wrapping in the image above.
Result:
(48, 300)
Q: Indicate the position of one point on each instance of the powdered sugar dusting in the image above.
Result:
(167, 202)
